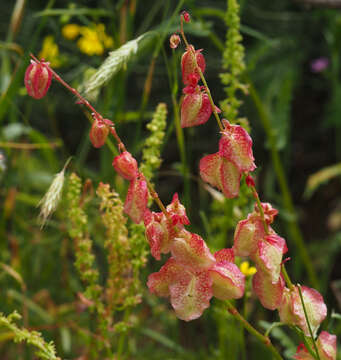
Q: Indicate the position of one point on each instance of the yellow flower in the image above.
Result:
(50, 51)
(93, 40)
(89, 43)
(246, 269)
(70, 31)
(105, 39)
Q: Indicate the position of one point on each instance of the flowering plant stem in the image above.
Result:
(156, 198)
(262, 338)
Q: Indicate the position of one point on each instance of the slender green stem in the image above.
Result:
(308, 323)
(287, 278)
(156, 198)
(113, 132)
(294, 230)
(181, 144)
(122, 338)
(263, 339)
(261, 211)
(274, 325)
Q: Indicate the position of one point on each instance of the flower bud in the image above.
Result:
(125, 165)
(195, 109)
(186, 16)
(174, 41)
(191, 250)
(249, 181)
(188, 65)
(98, 133)
(38, 78)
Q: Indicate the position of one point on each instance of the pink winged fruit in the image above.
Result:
(38, 77)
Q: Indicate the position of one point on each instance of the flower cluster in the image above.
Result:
(193, 275)
(256, 239)
(259, 241)
(93, 39)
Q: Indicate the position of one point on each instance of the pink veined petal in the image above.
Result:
(191, 250)
(137, 199)
(228, 281)
(291, 309)
(269, 294)
(205, 111)
(224, 255)
(98, 133)
(315, 307)
(37, 79)
(126, 165)
(285, 310)
(196, 108)
(158, 283)
(278, 242)
(326, 343)
(245, 242)
(28, 79)
(268, 256)
(191, 294)
(188, 65)
(236, 146)
(190, 108)
(41, 79)
(210, 169)
(229, 179)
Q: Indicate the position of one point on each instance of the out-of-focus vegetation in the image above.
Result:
(82, 274)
